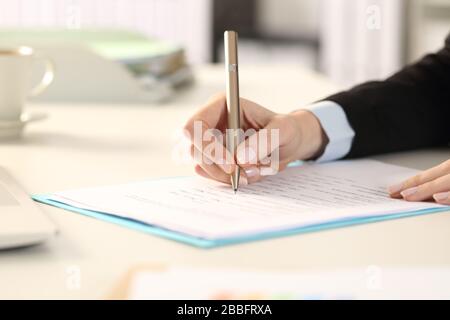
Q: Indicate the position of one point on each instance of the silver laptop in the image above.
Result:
(21, 221)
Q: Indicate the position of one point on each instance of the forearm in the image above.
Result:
(409, 110)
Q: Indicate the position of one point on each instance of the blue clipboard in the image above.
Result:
(208, 243)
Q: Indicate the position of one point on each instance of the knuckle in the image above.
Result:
(284, 126)
(414, 181)
(279, 120)
(220, 96)
(427, 187)
(188, 127)
(446, 166)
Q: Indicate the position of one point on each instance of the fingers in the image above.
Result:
(248, 175)
(206, 131)
(442, 198)
(211, 170)
(212, 115)
(210, 150)
(214, 173)
(429, 190)
(253, 115)
(430, 184)
(207, 128)
(423, 177)
(262, 147)
(203, 129)
(257, 173)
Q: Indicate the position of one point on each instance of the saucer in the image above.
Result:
(13, 129)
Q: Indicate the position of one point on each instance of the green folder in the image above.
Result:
(112, 44)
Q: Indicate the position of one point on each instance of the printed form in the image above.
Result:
(300, 196)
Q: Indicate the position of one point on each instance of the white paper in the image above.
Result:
(299, 196)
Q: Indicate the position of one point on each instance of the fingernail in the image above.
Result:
(251, 172)
(267, 171)
(409, 192)
(246, 155)
(441, 196)
(396, 188)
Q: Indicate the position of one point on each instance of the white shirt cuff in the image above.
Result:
(335, 124)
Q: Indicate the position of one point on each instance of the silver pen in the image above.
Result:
(232, 93)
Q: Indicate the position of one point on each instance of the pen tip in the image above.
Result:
(235, 190)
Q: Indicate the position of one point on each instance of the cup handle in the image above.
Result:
(47, 78)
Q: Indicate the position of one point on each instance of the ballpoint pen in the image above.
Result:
(232, 98)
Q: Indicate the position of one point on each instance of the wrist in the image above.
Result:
(313, 139)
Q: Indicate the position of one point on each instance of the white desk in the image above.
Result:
(81, 146)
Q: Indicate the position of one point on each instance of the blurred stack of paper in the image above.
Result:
(153, 62)
(152, 69)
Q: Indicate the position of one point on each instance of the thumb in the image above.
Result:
(254, 115)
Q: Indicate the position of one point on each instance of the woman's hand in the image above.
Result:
(300, 136)
(433, 183)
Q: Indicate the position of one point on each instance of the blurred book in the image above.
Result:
(159, 67)
(148, 59)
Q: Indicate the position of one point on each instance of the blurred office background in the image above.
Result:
(347, 40)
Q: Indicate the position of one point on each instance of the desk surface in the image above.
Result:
(87, 145)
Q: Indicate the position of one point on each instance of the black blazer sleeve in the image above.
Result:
(409, 110)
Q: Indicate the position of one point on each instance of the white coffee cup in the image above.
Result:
(16, 66)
